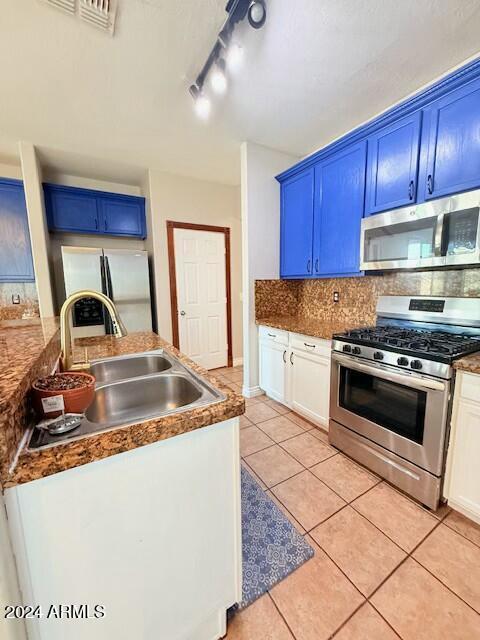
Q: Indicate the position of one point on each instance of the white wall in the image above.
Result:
(188, 200)
(68, 180)
(39, 238)
(260, 197)
(12, 171)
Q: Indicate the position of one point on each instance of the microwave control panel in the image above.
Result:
(462, 229)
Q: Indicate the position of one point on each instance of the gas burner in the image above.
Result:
(433, 345)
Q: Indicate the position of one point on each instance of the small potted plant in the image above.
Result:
(77, 390)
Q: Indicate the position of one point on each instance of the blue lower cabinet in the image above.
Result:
(339, 207)
(16, 264)
(296, 226)
(75, 210)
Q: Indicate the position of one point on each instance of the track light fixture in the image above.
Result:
(225, 53)
(202, 103)
(257, 14)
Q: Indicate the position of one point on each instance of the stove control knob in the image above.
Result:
(403, 362)
(416, 364)
(356, 351)
(378, 355)
(346, 348)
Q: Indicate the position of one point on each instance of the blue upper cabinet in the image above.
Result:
(339, 206)
(16, 263)
(70, 209)
(453, 157)
(296, 260)
(393, 165)
(74, 210)
(122, 215)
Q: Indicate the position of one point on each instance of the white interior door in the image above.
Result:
(202, 296)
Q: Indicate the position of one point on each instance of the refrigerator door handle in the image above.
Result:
(103, 272)
(109, 280)
(103, 275)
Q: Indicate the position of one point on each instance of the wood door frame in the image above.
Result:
(171, 226)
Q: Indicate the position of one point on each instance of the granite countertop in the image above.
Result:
(308, 326)
(22, 342)
(469, 363)
(32, 465)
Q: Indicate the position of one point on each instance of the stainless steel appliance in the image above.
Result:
(444, 232)
(121, 274)
(392, 387)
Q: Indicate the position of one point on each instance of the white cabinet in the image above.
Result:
(273, 348)
(118, 533)
(463, 469)
(295, 370)
(310, 386)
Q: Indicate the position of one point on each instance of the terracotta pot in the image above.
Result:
(75, 400)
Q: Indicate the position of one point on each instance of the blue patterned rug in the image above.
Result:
(272, 547)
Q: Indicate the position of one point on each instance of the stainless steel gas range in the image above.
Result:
(392, 388)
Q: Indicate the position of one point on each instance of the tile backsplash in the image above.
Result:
(28, 306)
(357, 296)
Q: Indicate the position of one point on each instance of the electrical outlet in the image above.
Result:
(336, 296)
(15, 298)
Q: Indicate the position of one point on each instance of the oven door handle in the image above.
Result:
(410, 380)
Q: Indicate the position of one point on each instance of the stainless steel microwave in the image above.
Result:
(440, 233)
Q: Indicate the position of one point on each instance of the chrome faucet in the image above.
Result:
(66, 356)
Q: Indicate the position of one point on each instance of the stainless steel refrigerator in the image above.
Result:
(121, 274)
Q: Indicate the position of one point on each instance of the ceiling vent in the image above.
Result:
(99, 13)
(65, 5)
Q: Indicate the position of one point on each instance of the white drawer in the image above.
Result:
(274, 335)
(311, 345)
(470, 387)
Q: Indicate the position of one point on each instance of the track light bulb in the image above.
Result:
(202, 106)
(218, 79)
(234, 56)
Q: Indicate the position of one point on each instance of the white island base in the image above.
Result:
(153, 535)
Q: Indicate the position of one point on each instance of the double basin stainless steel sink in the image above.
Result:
(133, 388)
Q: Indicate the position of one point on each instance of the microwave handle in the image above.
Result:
(413, 381)
(439, 230)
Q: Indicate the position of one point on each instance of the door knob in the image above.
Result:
(182, 313)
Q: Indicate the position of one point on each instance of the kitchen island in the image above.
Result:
(142, 521)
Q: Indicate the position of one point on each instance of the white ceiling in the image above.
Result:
(317, 69)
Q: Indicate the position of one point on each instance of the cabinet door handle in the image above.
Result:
(272, 335)
(291, 358)
(411, 189)
(285, 356)
(96, 224)
(430, 184)
(310, 346)
(316, 265)
(106, 225)
(308, 266)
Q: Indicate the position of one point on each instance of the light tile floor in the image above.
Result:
(384, 567)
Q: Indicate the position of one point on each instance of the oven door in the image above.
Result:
(406, 413)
